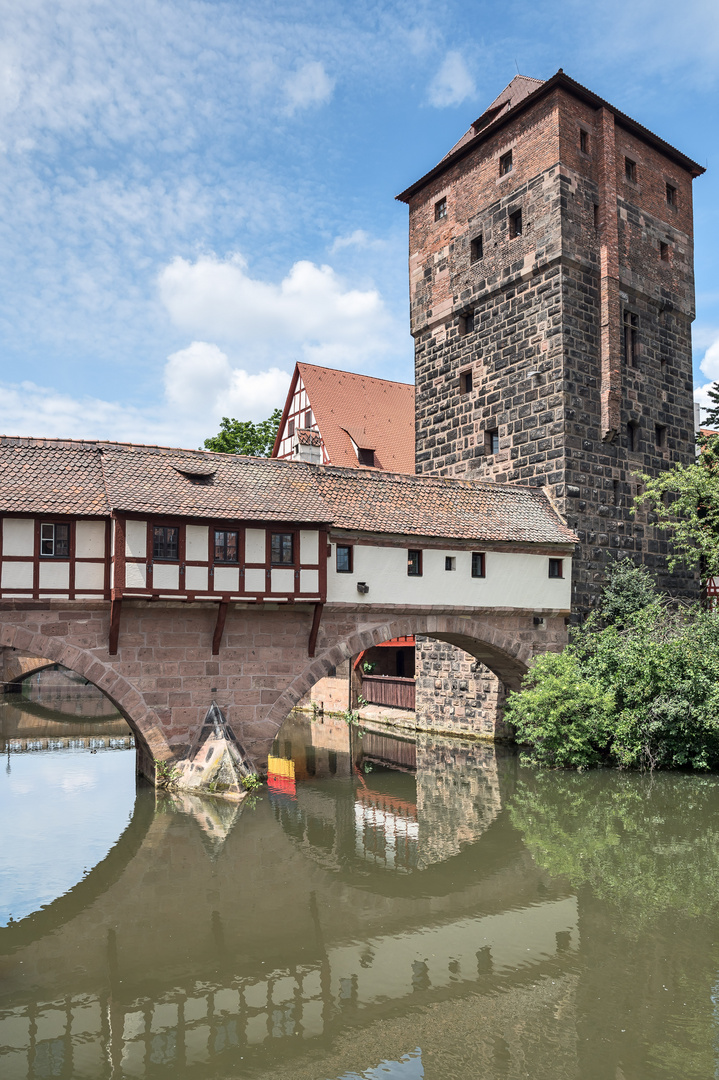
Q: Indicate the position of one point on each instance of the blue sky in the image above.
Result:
(194, 195)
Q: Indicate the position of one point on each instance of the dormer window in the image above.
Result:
(365, 456)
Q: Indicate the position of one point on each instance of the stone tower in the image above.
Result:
(551, 299)
(552, 296)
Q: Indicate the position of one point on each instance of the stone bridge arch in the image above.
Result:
(17, 667)
(151, 742)
(505, 650)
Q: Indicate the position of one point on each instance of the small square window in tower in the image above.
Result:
(631, 352)
(492, 441)
(632, 437)
(584, 141)
(630, 170)
(671, 195)
(515, 224)
(465, 381)
(660, 436)
(663, 251)
(477, 248)
(505, 163)
(466, 323)
(440, 209)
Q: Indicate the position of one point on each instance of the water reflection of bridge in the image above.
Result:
(133, 983)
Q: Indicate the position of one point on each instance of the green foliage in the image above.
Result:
(638, 688)
(244, 437)
(251, 782)
(685, 500)
(711, 420)
(564, 716)
(166, 775)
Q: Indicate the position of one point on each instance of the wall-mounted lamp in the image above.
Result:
(362, 587)
(533, 374)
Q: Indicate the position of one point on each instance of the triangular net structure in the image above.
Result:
(216, 763)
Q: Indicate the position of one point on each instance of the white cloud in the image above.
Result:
(200, 379)
(309, 85)
(310, 314)
(357, 239)
(453, 83)
(709, 365)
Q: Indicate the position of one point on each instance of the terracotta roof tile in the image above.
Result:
(52, 476)
(380, 411)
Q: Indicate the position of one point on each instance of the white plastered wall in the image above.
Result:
(135, 539)
(255, 546)
(18, 536)
(196, 544)
(513, 579)
(90, 540)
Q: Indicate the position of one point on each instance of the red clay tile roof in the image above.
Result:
(376, 410)
(39, 476)
(84, 478)
(434, 506)
(308, 438)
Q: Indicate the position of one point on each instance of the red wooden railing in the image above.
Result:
(388, 690)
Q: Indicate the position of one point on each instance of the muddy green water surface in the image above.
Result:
(401, 909)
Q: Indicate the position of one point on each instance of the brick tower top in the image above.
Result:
(551, 301)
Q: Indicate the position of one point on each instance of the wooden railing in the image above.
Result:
(388, 690)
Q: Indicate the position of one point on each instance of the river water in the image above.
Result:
(399, 909)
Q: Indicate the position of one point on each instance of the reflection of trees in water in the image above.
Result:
(649, 845)
(62, 691)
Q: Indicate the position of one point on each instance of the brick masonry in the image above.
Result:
(164, 675)
(539, 321)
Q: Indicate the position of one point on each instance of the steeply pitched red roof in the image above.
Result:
(45, 476)
(376, 411)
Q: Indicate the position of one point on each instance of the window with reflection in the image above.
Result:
(226, 546)
(165, 542)
(55, 540)
(282, 549)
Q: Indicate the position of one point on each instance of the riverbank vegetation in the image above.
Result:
(638, 686)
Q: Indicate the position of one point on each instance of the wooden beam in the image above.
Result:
(219, 626)
(115, 612)
(315, 629)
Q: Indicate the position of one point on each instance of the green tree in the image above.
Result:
(244, 437)
(685, 500)
(711, 419)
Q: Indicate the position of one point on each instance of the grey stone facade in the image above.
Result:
(562, 355)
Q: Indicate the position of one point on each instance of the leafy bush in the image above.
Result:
(638, 687)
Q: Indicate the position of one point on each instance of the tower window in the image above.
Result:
(477, 249)
(466, 323)
(632, 437)
(478, 564)
(596, 215)
(664, 251)
(515, 224)
(505, 163)
(631, 352)
(492, 441)
(555, 568)
(630, 170)
(440, 209)
(465, 381)
(660, 436)
(671, 195)
(414, 564)
(584, 141)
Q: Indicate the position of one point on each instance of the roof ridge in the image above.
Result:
(356, 374)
